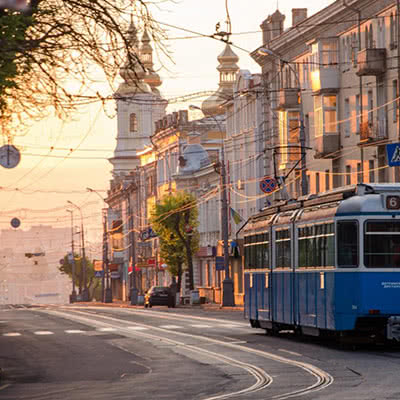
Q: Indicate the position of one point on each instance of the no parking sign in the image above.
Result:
(268, 184)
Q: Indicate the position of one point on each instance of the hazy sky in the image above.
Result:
(47, 178)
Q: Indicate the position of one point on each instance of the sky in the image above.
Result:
(50, 174)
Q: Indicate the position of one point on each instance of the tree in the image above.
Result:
(175, 220)
(92, 282)
(55, 42)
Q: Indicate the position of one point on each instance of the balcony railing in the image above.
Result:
(373, 131)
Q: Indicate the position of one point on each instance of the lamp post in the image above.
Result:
(85, 293)
(72, 298)
(228, 299)
(304, 184)
(106, 293)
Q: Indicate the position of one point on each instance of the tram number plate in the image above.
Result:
(393, 202)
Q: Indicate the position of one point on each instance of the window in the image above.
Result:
(346, 117)
(382, 244)
(358, 113)
(283, 249)
(256, 251)
(327, 185)
(395, 101)
(393, 37)
(348, 175)
(289, 130)
(347, 243)
(316, 245)
(317, 185)
(370, 107)
(359, 173)
(371, 171)
(325, 115)
(133, 125)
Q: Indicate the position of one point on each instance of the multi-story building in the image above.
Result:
(337, 71)
(139, 106)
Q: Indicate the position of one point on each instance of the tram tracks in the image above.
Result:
(262, 378)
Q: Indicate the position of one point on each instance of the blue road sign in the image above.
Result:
(98, 274)
(15, 222)
(393, 154)
(268, 184)
(219, 263)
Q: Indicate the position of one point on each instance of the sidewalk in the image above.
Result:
(127, 304)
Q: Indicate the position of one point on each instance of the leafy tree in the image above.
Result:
(92, 282)
(175, 219)
(55, 42)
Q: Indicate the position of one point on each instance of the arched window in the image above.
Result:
(133, 125)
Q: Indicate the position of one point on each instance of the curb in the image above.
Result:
(205, 307)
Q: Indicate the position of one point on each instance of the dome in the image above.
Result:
(193, 159)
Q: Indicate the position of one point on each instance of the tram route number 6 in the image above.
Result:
(393, 202)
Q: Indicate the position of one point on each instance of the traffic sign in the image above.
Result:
(10, 156)
(98, 274)
(393, 154)
(15, 222)
(268, 184)
(219, 263)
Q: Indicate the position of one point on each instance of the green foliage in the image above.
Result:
(175, 219)
(66, 268)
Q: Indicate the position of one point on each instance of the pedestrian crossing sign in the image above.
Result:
(393, 154)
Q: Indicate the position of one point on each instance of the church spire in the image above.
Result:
(227, 76)
(146, 56)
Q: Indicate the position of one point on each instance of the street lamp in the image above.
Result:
(85, 293)
(228, 299)
(106, 292)
(304, 184)
(72, 298)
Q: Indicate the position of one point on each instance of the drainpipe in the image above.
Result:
(356, 10)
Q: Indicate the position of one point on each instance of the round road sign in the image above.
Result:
(268, 184)
(15, 222)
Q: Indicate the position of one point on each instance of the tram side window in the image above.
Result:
(382, 244)
(347, 243)
(256, 251)
(316, 246)
(283, 252)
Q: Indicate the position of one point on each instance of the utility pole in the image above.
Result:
(134, 291)
(85, 293)
(72, 298)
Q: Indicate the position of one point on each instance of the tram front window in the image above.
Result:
(347, 244)
(382, 244)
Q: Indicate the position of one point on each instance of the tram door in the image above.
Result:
(264, 287)
(282, 275)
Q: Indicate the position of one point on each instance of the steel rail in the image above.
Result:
(323, 379)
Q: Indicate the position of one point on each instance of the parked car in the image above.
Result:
(159, 296)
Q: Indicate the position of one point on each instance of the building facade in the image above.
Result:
(338, 73)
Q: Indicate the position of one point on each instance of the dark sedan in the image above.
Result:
(159, 296)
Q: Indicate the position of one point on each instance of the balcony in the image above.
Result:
(327, 145)
(289, 99)
(325, 80)
(371, 62)
(371, 132)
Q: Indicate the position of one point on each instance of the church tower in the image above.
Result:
(227, 76)
(139, 105)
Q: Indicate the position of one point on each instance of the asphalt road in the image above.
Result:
(96, 352)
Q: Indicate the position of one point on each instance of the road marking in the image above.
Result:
(43, 333)
(200, 326)
(137, 328)
(74, 331)
(290, 352)
(12, 334)
(170, 326)
(230, 326)
(106, 329)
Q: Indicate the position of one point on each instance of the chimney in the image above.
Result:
(298, 15)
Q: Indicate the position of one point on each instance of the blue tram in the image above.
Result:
(327, 264)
